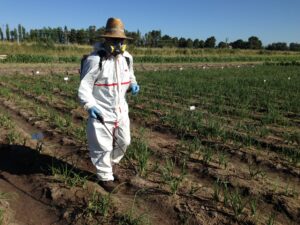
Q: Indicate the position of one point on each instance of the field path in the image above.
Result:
(45, 69)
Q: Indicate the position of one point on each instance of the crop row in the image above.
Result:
(24, 58)
(245, 95)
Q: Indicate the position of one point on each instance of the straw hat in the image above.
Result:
(114, 29)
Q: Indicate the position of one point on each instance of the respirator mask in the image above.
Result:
(115, 46)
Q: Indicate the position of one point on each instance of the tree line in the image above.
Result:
(152, 38)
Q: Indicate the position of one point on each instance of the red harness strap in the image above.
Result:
(113, 84)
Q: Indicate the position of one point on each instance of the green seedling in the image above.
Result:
(68, 176)
(194, 188)
(2, 216)
(275, 185)
(223, 159)
(99, 204)
(170, 177)
(5, 122)
(13, 137)
(237, 203)
(5, 196)
(217, 190)
(226, 194)
(184, 218)
(290, 191)
(129, 218)
(207, 155)
(140, 152)
(255, 171)
(271, 219)
(253, 206)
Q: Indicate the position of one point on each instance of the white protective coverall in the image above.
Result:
(106, 89)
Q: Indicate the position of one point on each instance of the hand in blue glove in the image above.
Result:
(135, 89)
(95, 113)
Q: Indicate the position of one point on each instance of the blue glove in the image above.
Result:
(135, 89)
(95, 113)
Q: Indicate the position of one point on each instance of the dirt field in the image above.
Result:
(187, 177)
(71, 68)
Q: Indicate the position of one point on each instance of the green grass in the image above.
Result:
(78, 50)
(27, 58)
(5, 121)
(68, 176)
(172, 178)
(139, 151)
(1, 216)
(99, 204)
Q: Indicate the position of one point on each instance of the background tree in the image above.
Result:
(24, 35)
(152, 38)
(136, 38)
(201, 44)
(254, 43)
(182, 43)
(210, 42)
(281, 46)
(72, 37)
(66, 35)
(166, 41)
(1, 35)
(13, 34)
(294, 47)
(7, 31)
(222, 44)
(20, 32)
(16, 35)
(33, 35)
(92, 34)
(196, 43)
(81, 37)
(175, 41)
(239, 44)
(60, 35)
(189, 43)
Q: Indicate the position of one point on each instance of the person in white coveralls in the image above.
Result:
(107, 75)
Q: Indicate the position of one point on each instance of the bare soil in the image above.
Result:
(71, 68)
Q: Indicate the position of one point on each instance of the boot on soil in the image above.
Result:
(108, 186)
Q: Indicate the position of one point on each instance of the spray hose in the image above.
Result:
(101, 120)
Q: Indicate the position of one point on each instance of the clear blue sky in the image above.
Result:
(269, 20)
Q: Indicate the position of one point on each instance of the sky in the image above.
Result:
(269, 20)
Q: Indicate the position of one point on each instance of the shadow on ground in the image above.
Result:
(23, 160)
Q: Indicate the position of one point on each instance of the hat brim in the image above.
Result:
(115, 36)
